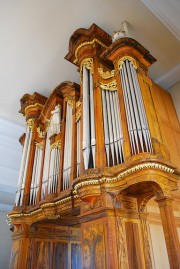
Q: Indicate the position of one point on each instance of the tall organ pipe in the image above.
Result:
(78, 147)
(86, 118)
(35, 175)
(93, 137)
(68, 148)
(135, 111)
(112, 127)
(22, 168)
(46, 165)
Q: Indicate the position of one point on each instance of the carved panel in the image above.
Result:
(93, 246)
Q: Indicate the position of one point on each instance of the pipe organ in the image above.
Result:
(94, 154)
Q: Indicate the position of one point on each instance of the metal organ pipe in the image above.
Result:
(93, 136)
(89, 139)
(145, 127)
(86, 131)
(106, 127)
(46, 165)
(135, 112)
(112, 127)
(21, 173)
(78, 147)
(67, 148)
(35, 175)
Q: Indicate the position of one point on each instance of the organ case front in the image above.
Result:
(93, 156)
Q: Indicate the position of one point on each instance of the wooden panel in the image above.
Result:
(60, 256)
(133, 246)
(42, 257)
(93, 247)
(168, 121)
(76, 256)
(14, 255)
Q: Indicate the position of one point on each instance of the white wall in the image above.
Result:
(5, 241)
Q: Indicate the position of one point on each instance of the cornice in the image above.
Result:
(128, 42)
(85, 36)
(92, 180)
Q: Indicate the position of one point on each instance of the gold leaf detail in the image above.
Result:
(41, 134)
(30, 123)
(69, 101)
(107, 74)
(88, 63)
(112, 86)
(56, 145)
(78, 110)
(85, 44)
(123, 59)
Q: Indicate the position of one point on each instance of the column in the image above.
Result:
(170, 231)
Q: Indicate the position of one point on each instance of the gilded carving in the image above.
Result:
(40, 144)
(112, 86)
(123, 59)
(56, 145)
(69, 101)
(41, 134)
(88, 63)
(95, 40)
(30, 123)
(33, 106)
(106, 74)
(78, 110)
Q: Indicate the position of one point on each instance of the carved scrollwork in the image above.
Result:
(56, 144)
(88, 63)
(69, 101)
(41, 134)
(123, 59)
(95, 40)
(78, 110)
(112, 86)
(39, 145)
(106, 74)
(30, 123)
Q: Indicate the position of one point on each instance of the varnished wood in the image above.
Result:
(100, 221)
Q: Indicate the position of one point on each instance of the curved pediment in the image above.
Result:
(82, 37)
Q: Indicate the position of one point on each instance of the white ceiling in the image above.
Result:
(34, 37)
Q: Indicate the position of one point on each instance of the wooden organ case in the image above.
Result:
(94, 154)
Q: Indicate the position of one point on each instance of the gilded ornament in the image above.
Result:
(56, 145)
(30, 123)
(112, 86)
(39, 145)
(85, 44)
(123, 59)
(78, 110)
(88, 63)
(41, 134)
(33, 106)
(107, 74)
(69, 101)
